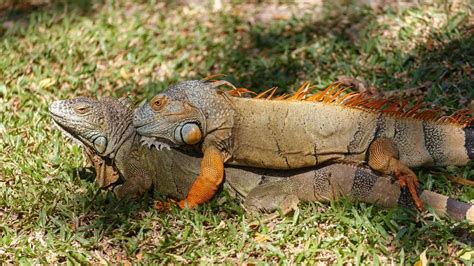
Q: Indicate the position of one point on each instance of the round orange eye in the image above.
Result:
(157, 103)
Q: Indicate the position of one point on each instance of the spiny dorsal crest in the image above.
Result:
(337, 94)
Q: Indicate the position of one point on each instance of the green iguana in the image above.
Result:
(104, 128)
(329, 126)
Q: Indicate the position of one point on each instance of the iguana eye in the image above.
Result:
(158, 102)
(81, 109)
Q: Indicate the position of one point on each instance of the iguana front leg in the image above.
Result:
(208, 181)
(383, 157)
(135, 185)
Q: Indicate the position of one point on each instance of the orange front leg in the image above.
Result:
(208, 181)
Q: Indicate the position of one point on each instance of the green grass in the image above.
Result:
(50, 212)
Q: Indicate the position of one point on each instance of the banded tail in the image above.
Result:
(469, 141)
(269, 190)
(368, 186)
(444, 205)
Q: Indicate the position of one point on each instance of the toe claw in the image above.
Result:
(164, 205)
(411, 182)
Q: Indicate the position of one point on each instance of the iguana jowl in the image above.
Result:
(326, 127)
(103, 128)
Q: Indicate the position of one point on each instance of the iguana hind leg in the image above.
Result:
(383, 157)
(162, 205)
(271, 197)
(208, 181)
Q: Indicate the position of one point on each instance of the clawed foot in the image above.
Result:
(164, 205)
(411, 182)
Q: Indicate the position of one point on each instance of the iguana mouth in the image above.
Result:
(68, 134)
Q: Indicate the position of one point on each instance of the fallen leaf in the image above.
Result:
(260, 238)
(468, 255)
(124, 74)
(423, 260)
(47, 82)
(3, 90)
(139, 256)
(2, 129)
(178, 258)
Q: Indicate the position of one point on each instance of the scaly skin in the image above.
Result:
(269, 190)
(296, 134)
(169, 171)
(104, 128)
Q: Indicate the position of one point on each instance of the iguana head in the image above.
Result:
(182, 115)
(100, 125)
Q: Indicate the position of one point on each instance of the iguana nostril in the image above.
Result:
(55, 108)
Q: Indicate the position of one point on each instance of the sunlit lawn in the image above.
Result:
(51, 211)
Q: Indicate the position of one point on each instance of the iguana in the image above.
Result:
(328, 126)
(103, 127)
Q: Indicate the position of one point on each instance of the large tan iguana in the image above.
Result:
(103, 128)
(329, 126)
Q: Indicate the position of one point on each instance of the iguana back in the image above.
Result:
(295, 134)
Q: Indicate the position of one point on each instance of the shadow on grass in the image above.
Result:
(18, 13)
(285, 53)
(105, 211)
(14, 10)
(448, 66)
